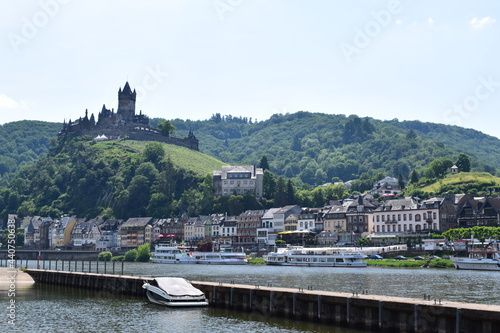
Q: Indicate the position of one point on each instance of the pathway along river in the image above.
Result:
(42, 308)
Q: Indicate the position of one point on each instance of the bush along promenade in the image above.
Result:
(141, 254)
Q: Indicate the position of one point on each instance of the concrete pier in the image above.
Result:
(370, 312)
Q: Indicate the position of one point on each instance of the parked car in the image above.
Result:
(434, 257)
(376, 256)
(400, 257)
(418, 258)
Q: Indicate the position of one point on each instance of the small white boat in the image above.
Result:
(174, 291)
(320, 257)
(485, 258)
(182, 255)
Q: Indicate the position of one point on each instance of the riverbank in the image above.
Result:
(410, 263)
(7, 276)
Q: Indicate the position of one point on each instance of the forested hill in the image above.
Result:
(22, 143)
(316, 147)
(312, 147)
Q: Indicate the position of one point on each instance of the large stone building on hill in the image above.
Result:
(123, 123)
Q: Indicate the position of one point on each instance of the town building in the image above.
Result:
(135, 232)
(238, 180)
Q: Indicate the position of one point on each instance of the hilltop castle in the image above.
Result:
(123, 123)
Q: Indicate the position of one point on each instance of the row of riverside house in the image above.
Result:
(338, 223)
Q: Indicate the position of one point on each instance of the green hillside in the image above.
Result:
(464, 182)
(315, 148)
(22, 143)
(115, 178)
(183, 158)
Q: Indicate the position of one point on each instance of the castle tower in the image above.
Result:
(126, 102)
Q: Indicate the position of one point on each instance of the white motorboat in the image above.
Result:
(320, 257)
(485, 258)
(182, 255)
(174, 291)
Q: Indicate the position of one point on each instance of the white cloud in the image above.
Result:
(8, 103)
(430, 20)
(479, 23)
(399, 21)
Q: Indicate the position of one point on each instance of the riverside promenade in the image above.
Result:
(369, 312)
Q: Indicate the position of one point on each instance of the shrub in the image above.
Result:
(118, 258)
(104, 256)
(143, 253)
(130, 255)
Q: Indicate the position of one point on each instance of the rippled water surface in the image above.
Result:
(44, 308)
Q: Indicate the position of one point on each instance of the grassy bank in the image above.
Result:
(434, 263)
(256, 261)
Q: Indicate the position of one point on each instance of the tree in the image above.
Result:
(143, 253)
(154, 152)
(439, 167)
(463, 163)
(280, 197)
(130, 255)
(264, 164)
(268, 184)
(401, 181)
(105, 256)
(414, 177)
(166, 128)
(290, 193)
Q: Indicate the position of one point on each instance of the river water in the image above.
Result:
(43, 308)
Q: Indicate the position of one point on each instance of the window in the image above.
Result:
(399, 227)
(399, 217)
(383, 228)
(383, 218)
(378, 228)
(404, 227)
(434, 215)
(409, 217)
(424, 216)
(378, 218)
(404, 217)
(417, 217)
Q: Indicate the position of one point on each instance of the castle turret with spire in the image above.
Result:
(123, 123)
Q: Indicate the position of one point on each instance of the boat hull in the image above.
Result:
(477, 264)
(159, 296)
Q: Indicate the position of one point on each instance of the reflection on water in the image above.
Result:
(43, 308)
(47, 308)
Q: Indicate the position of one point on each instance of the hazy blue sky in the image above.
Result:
(253, 58)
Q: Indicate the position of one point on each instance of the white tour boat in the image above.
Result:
(321, 257)
(182, 255)
(174, 291)
(165, 254)
(220, 258)
(485, 258)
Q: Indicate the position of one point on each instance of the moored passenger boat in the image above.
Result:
(485, 258)
(165, 254)
(320, 257)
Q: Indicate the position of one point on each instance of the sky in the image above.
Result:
(187, 59)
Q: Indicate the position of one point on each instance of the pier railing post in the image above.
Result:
(114, 267)
(122, 267)
(97, 266)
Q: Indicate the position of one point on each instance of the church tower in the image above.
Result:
(126, 102)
